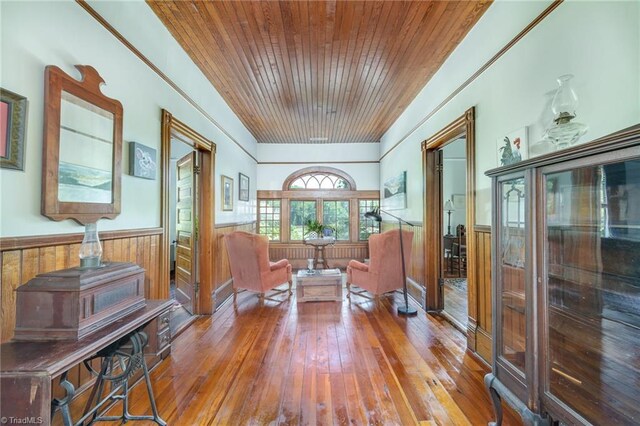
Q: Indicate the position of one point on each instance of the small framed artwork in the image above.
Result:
(243, 187)
(142, 161)
(395, 192)
(459, 201)
(513, 147)
(227, 193)
(13, 118)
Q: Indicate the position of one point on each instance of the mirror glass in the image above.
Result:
(85, 170)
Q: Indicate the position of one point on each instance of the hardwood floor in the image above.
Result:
(456, 300)
(319, 363)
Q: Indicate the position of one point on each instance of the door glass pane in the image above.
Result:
(593, 290)
(511, 264)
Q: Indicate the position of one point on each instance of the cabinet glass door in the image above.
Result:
(592, 268)
(511, 264)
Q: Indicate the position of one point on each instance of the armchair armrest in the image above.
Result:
(358, 265)
(282, 263)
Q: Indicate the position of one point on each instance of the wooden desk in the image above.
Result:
(27, 368)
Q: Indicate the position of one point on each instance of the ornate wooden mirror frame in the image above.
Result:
(82, 150)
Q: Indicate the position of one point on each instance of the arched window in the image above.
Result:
(317, 194)
(319, 178)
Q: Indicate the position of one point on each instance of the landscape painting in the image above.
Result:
(79, 184)
(395, 192)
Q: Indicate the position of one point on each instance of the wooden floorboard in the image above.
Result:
(320, 363)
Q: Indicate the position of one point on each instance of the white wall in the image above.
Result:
(598, 42)
(283, 159)
(36, 34)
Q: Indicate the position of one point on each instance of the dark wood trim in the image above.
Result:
(479, 359)
(475, 75)
(417, 292)
(233, 224)
(21, 243)
(222, 294)
(162, 75)
(482, 228)
(172, 127)
(309, 194)
(319, 162)
(308, 170)
(618, 140)
(433, 203)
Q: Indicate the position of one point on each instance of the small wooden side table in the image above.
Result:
(319, 285)
(319, 244)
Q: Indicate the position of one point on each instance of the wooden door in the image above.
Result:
(186, 235)
(438, 177)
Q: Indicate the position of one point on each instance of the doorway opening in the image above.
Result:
(452, 159)
(183, 214)
(449, 217)
(188, 164)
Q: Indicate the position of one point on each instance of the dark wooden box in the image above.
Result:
(73, 303)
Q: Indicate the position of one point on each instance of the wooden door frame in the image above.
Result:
(433, 214)
(171, 126)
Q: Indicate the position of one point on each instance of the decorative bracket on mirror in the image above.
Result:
(82, 150)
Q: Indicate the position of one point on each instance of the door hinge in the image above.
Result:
(440, 281)
(196, 287)
(196, 170)
(439, 168)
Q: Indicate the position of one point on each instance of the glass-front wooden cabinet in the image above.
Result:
(566, 285)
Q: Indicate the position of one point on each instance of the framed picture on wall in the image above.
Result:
(142, 161)
(13, 117)
(395, 192)
(243, 187)
(227, 193)
(459, 201)
(513, 147)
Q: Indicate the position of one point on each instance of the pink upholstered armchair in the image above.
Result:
(384, 271)
(250, 265)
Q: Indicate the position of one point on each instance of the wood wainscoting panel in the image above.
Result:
(21, 262)
(415, 274)
(223, 288)
(22, 258)
(337, 255)
(484, 317)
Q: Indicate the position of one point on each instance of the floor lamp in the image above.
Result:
(375, 214)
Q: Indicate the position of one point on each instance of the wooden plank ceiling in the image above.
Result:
(318, 71)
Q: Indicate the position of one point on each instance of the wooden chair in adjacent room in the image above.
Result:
(459, 255)
(250, 266)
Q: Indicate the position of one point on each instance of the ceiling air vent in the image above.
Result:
(318, 139)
